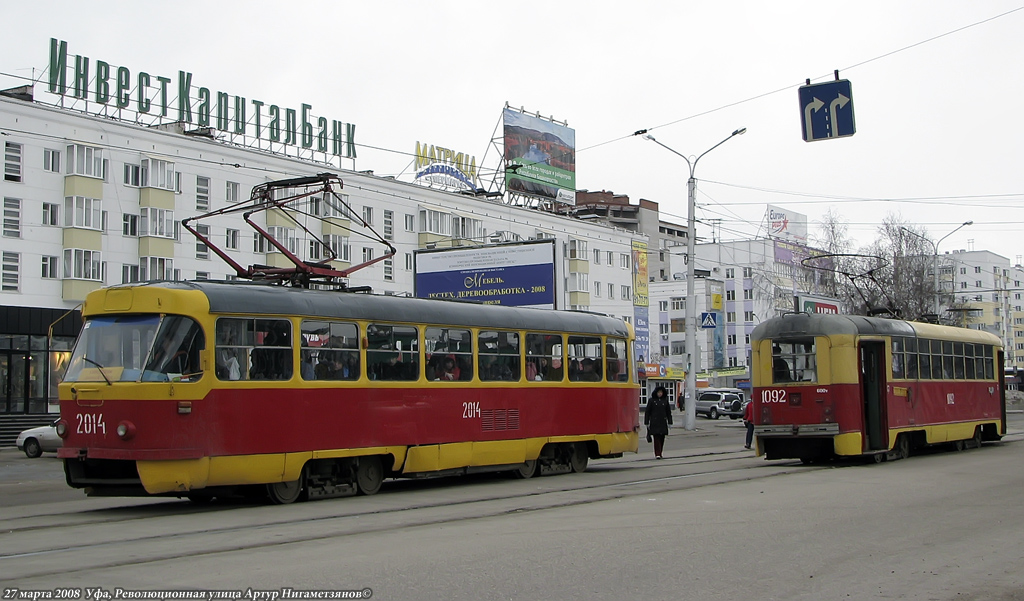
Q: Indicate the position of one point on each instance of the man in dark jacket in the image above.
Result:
(748, 421)
(657, 418)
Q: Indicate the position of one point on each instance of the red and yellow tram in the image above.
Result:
(844, 385)
(196, 389)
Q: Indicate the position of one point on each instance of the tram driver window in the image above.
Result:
(794, 361)
(175, 351)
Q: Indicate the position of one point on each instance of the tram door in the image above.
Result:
(872, 382)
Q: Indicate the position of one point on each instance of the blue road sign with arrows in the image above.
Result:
(826, 110)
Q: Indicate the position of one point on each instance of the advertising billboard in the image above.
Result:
(540, 157)
(520, 274)
(784, 224)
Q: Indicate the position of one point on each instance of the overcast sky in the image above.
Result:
(940, 137)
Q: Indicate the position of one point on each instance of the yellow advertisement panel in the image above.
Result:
(640, 280)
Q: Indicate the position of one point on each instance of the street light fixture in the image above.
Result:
(935, 257)
(691, 294)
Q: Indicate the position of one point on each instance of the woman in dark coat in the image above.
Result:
(658, 417)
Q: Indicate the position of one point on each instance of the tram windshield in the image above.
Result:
(133, 348)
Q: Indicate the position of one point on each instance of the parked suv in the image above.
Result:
(713, 403)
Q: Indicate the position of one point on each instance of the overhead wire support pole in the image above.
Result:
(691, 276)
(935, 260)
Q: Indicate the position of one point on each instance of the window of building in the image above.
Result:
(730, 316)
(611, 291)
(409, 262)
(464, 227)
(50, 268)
(748, 272)
(12, 218)
(730, 295)
(578, 249)
(577, 282)
(132, 175)
(626, 293)
(963, 284)
(130, 225)
(748, 316)
(746, 339)
(129, 274)
(340, 246)
(368, 215)
(202, 275)
(678, 304)
(748, 294)
(664, 350)
(389, 270)
(231, 191)
(202, 193)
(977, 284)
(977, 269)
(51, 160)
(663, 305)
(597, 289)
(730, 339)
(367, 254)
(410, 223)
(597, 257)
(80, 264)
(202, 250)
(336, 206)
(231, 239)
(85, 160)
(611, 258)
(11, 278)
(51, 213)
(155, 222)
(678, 348)
(12, 162)
(435, 222)
(389, 225)
(730, 273)
(285, 236)
(963, 271)
(624, 260)
(156, 268)
(83, 212)
(664, 328)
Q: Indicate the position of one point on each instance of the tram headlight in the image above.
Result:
(62, 428)
(126, 430)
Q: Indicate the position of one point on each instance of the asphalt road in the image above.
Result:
(709, 522)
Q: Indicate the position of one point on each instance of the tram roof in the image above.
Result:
(264, 299)
(819, 324)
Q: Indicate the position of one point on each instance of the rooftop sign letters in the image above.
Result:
(145, 94)
(444, 168)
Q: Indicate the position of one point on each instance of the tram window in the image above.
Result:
(175, 351)
(937, 366)
(616, 360)
(989, 363)
(449, 354)
(392, 352)
(253, 349)
(330, 351)
(112, 348)
(544, 357)
(958, 361)
(585, 361)
(969, 368)
(898, 359)
(499, 356)
(794, 360)
(925, 359)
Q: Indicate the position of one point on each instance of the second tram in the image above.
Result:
(842, 385)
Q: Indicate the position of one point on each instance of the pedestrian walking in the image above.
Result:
(657, 418)
(748, 421)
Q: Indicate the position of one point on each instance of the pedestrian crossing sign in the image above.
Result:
(708, 321)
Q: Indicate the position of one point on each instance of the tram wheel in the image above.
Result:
(878, 457)
(283, 493)
(579, 458)
(960, 445)
(369, 475)
(527, 471)
(976, 441)
(903, 447)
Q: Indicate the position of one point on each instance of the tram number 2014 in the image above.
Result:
(773, 396)
(90, 423)
(470, 410)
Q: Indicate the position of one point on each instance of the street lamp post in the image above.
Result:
(691, 295)
(935, 258)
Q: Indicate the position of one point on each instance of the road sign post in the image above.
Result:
(826, 110)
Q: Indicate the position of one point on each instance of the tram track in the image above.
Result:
(113, 538)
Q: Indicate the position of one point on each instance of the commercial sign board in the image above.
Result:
(520, 274)
(540, 157)
(113, 90)
(784, 224)
(817, 304)
(444, 168)
(641, 296)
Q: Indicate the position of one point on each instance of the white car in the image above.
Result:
(35, 441)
